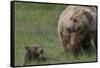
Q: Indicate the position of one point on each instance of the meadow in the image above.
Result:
(37, 23)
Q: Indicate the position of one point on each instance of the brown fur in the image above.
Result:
(35, 52)
(75, 23)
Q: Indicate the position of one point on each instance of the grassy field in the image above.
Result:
(37, 23)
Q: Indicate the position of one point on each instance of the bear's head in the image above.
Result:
(76, 29)
(35, 50)
(79, 22)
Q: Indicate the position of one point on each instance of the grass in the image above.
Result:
(37, 23)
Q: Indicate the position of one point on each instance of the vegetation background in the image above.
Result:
(37, 23)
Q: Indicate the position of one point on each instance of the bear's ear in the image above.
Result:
(88, 15)
(26, 47)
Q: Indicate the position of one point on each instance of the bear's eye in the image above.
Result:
(36, 48)
(78, 29)
(75, 20)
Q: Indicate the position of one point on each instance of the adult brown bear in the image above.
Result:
(77, 28)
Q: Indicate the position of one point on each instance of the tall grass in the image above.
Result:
(37, 23)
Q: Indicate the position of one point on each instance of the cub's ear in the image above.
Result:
(26, 47)
(88, 15)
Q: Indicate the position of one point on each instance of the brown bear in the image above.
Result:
(77, 28)
(35, 52)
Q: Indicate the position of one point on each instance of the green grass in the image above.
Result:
(37, 23)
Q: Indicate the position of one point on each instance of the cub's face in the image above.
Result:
(36, 50)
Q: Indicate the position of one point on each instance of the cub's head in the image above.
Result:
(35, 50)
